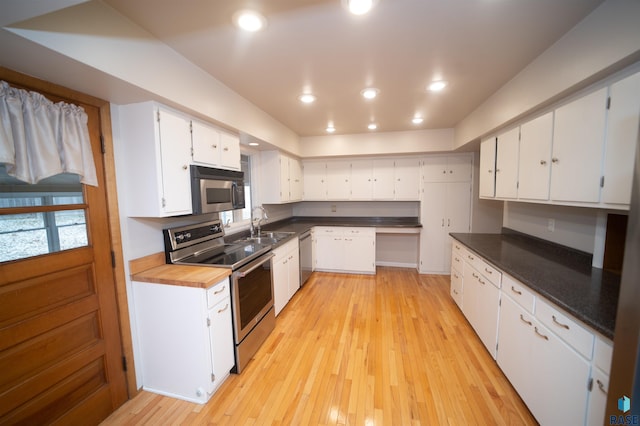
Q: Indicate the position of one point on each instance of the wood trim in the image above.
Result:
(55, 91)
(41, 209)
(145, 263)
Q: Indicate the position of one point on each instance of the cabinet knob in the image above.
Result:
(497, 170)
(450, 171)
(543, 163)
(490, 171)
(554, 160)
(226, 148)
(185, 167)
(214, 146)
(444, 172)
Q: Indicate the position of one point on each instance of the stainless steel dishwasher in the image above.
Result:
(306, 257)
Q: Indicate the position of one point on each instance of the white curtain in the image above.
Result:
(39, 138)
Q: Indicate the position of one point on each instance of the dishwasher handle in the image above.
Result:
(305, 235)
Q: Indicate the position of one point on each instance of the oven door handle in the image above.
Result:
(242, 272)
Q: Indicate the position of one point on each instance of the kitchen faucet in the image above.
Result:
(263, 216)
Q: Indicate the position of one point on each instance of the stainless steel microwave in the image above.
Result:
(216, 190)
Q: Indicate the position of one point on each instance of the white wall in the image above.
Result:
(574, 226)
(390, 143)
(605, 41)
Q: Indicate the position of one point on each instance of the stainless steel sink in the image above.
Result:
(269, 238)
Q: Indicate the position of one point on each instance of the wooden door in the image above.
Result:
(61, 357)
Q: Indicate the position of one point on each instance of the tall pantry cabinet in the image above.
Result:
(445, 208)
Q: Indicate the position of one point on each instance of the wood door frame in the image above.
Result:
(113, 213)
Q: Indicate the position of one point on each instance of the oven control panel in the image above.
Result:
(192, 234)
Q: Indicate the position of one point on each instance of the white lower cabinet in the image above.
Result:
(286, 274)
(345, 249)
(481, 306)
(185, 336)
(552, 360)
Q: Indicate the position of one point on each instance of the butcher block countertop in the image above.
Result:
(153, 269)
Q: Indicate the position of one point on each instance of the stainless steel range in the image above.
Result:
(251, 279)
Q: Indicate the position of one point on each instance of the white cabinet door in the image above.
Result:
(445, 208)
(338, 180)
(507, 164)
(435, 169)
(315, 181)
(205, 141)
(597, 398)
(407, 179)
(284, 179)
(485, 298)
(383, 180)
(296, 186)
(621, 139)
(329, 251)
(535, 158)
(280, 282)
(359, 248)
(487, 168)
(175, 149)
(515, 331)
(361, 180)
(578, 138)
(560, 395)
(294, 270)
(459, 168)
(221, 341)
(229, 151)
(456, 287)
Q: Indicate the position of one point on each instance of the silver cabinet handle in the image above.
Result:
(601, 386)
(540, 334)
(529, 323)
(448, 222)
(490, 171)
(481, 282)
(474, 275)
(443, 222)
(518, 292)
(555, 321)
(543, 163)
(224, 287)
(455, 292)
(223, 309)
(456, 259)
(185, 167)
(488, 271)
(470, 257)
(555, 160)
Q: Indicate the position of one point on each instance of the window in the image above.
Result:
(242, 215)
(43, 218)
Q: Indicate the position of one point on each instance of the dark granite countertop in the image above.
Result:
(562, 275)
(301, 224)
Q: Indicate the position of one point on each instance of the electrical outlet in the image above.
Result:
(333, 208)
(551, 225)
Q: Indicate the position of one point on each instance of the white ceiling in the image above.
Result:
(476, 45)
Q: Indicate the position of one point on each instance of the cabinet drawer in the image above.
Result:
(602, 354)
(323, 230)
(217, 293)
(456, 246)
(492, 274)
(566, 328)
(364, 232)
(457, 260)
(518, 292)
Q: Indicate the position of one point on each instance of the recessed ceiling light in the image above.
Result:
(372, 126)
(417, 120)
(254, 144)
(359, 7)
(307, 98)
(330, 128)
(249, 20)
(437, 86)
(370, 92)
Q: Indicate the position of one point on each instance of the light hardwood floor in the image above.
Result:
(388, 349)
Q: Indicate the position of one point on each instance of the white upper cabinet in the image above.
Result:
(229, 151)
(535, 158)
(361, 180)
(213, 147)
(440, 168)
(506, 169)
(338, 180)
(578, 138)
(383, 183)
(315, 180)
(407, 179)
(157, 145)
(620, 145)
(281, 178)
(487, 168)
